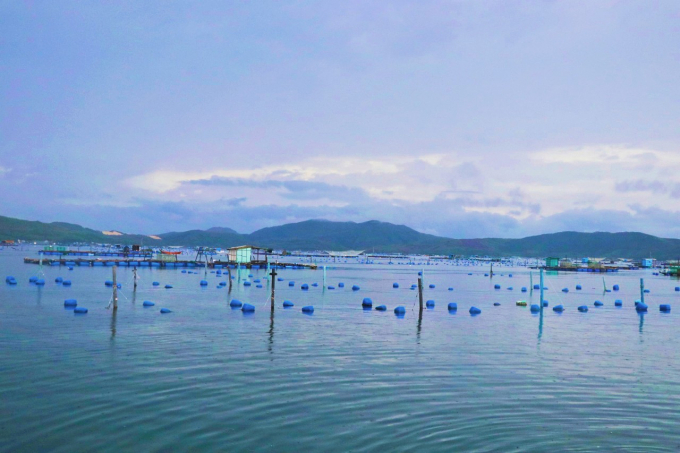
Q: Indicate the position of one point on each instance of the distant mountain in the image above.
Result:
(370, 236)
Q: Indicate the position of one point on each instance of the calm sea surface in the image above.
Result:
(209, 378)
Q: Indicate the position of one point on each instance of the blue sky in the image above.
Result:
(458, 118)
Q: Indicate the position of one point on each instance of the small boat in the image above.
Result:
(165, 252)
(521, 303)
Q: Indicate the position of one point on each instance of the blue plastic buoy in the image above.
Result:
(184, 272)
(247, 283)
(420, 272)
(80, 310)
(58, 280)
(450, 289)
(395, 285)
(165, 310)
(32, 279)
(315, 284)
(452, 306)
(497, 286)
(558, 308)
(431, 286)
(524, 289)
(148, 303)
(496, 304)
(355, 288)
(235, 303)
(583, 308)
(70, 268)
(537, 286)
(475, 311)
(66, 283)
(598, 303)
(204, 283)
(223, 283)
(155, 284)
(291, 283)
(381, 308)
(510, 288)
(168, 286)
(486, 275)
(400, 310)
(108, 283)
(545, 303)
(615, 287)
(304, 287)
(308, 309)
(279, 279)
(429, 304)
(641, 307)
(40, 282)
(367, 302)
(535, 308)
(70, 303)
(287, 304)
(677, 288)
(618, 303)
(248, 308)
(565, 290)
(331, 287)
(666, 308)
(341, 285)
(578, 288)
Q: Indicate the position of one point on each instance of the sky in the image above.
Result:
(463, 119)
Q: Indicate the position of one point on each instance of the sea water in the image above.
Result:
(210, 378)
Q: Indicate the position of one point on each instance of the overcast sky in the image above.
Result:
(458, 118)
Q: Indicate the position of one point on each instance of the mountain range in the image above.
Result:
(371, 236)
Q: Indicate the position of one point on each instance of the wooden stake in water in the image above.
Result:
(324, 277)
(115, 290)
(420, 293)
(642, 290)
(541, 290)
(229, 271)
(134, 272)
(273, 275)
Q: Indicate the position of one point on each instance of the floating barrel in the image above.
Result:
(641, 307)
(287, 304)
(258, 286)
(583, 308)
(80, 310)
(148, 303)
(537, 286)
(155, 284)
(223, 283)
(66, 283)
(40, 282)
(558, 308)
(545, 303)
(381, 308)
(308, 309)
(304, 287)
(509, 275)
(279, 279)
(58, 280)
(646, 291)
(475, 311)
(535, 308)
(615, 287)
(510, 288)
(452, 306)
(431, 286)
(250, 275)
(486, 275)
(524, 289)
(598, 303)
(355, 288)
(70, 303)
(677, 288)
(578, 288)
(429, 304)
(367, 302)
(235, 303)
(331, 287)
(204, 283)
(496, 304)
(32, 279)
(395, 285)
(291, 283)
(420, 272)
(315, 284)
(496, 286)
(248, 308)
(618, 303)
(257, 280)
(341, 285)
(165, 310)
(400, 310)
(565, 290)
(168, 286)
(450, 289)
(247, 283)
(666, 308)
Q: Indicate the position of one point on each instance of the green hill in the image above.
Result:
(370, 236)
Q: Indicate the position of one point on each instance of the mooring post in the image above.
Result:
(541, 290)
(324, 277)
(491, 271)
(642, 290)
(273, 275)
(229, 271)
(420, 292)
(134, 272)
(115, 290)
